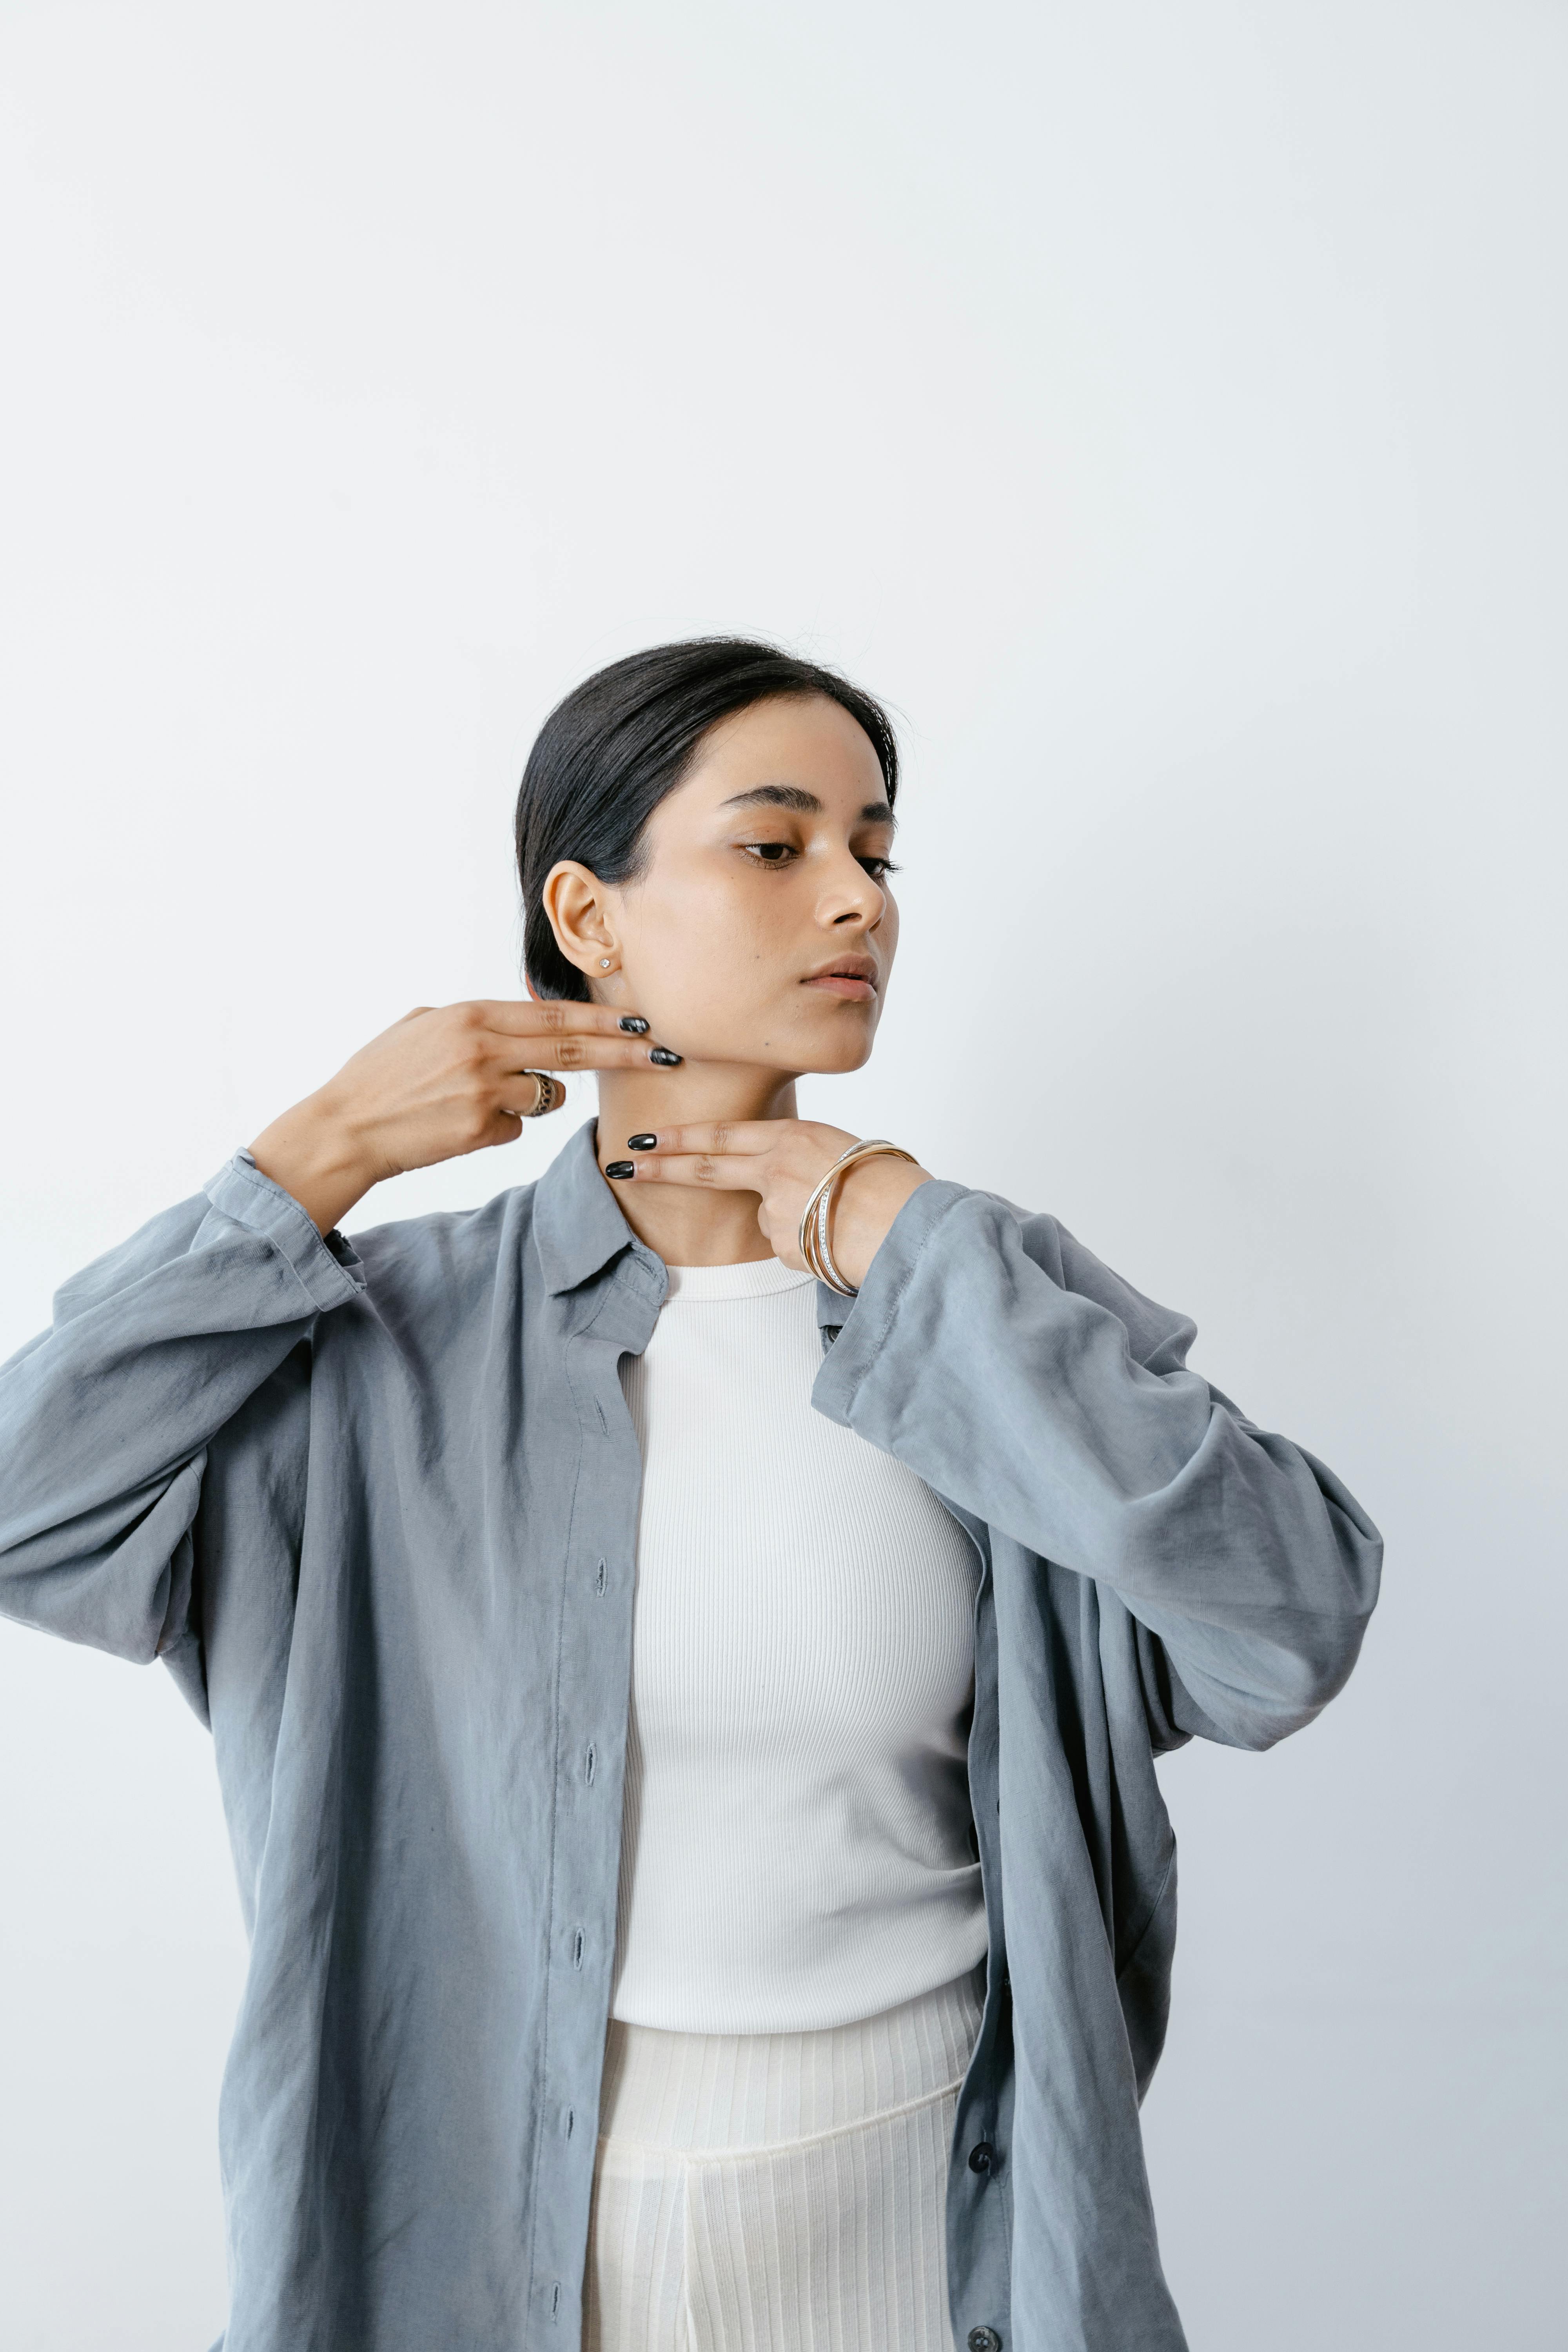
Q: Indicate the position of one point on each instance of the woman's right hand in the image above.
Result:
(442, 1081)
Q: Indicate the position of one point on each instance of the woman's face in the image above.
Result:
(762, 929)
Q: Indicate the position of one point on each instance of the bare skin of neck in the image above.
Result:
(683, 1225)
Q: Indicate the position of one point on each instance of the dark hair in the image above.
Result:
(607, 755)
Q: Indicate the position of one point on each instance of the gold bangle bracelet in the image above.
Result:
(818, 1210)
(815, 1237)
(803, 1238)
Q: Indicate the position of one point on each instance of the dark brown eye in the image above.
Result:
(770, 853)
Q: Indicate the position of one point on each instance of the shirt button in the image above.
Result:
(982, 2156)
(984, 2340)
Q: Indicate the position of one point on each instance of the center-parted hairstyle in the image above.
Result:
(610, 752)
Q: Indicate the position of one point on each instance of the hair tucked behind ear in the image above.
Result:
(607, 756)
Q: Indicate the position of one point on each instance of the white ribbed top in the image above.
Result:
(796, 1846)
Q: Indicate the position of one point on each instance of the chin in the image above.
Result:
(849, 1053)
(798, 1047)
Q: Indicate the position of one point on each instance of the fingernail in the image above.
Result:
(642, 1143)
(664, 1057)
(620, 1168)
(633, 1023)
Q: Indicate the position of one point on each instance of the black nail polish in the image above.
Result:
(664, 1057)
(619, 1168)
(633, 1023)
(642, 1143)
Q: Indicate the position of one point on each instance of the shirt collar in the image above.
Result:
(577, 1221)
(579, 1227)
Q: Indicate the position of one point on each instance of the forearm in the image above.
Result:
(1022, 1400)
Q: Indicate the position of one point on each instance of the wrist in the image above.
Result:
(869, 1197)
(314, 1155)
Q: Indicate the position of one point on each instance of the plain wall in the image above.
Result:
(1163, 407)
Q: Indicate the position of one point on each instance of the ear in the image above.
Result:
(577, 904)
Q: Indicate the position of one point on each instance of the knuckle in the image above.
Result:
(569, 1054)
(721, 1135)
(554, 1016)
(705, 1171)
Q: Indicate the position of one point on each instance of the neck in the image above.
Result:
(680, 1222)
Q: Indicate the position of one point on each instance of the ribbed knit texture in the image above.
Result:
(778, 2192)
(795, 1844)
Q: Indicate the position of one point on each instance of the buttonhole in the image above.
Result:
(599, 1579)
(577, 1949)
(588, 1767)
(571, 2119)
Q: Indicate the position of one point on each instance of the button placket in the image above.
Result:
(599, 1473)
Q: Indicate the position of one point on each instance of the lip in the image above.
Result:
(852, 977)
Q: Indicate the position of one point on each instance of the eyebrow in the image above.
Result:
(796, 796)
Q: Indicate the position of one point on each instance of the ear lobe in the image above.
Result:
(574, 902)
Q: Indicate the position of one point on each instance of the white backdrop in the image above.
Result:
(1162, 406)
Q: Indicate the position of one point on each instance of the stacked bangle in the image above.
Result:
(816, 1243)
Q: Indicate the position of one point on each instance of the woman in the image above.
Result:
(687, 1726)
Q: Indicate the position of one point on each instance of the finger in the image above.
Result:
(550, 1018)
(741, 1135)
(528, 1097)
(512, 1053)
(712, 1171)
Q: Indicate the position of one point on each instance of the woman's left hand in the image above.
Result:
(784, 1161)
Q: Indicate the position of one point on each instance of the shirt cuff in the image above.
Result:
(871, 1313)
(329, 1271)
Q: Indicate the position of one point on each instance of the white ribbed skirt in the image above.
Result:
(778, 2192)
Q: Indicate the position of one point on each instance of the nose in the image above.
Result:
(852, 899)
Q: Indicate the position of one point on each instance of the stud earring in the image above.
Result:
(603, 963)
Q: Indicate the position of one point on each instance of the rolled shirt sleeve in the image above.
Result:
(329, 1271)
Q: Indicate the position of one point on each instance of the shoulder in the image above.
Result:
(453, 1254)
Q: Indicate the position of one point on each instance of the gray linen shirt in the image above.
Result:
(375, 1507)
